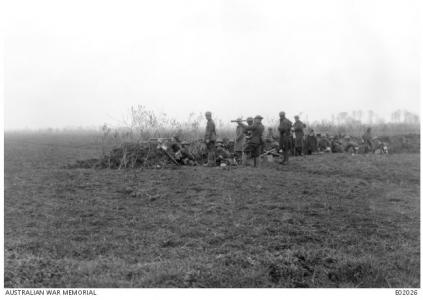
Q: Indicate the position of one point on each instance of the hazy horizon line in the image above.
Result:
(220, 121)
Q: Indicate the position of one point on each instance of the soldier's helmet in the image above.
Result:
(250, 119)
(282, 114)
(219, 141)
(239, 120)
(296, 117)
(258, 117)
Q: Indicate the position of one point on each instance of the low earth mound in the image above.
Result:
(141, 155)
(159, 154)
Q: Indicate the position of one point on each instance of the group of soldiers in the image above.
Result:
(250, 141)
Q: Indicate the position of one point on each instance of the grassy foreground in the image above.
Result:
(322, 221)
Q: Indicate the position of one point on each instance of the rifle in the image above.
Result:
(164, 149)
(236, 121)
(272, 152)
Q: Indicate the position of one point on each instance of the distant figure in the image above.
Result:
(284, 136)
(367, 139)
(255, 141)
(210, 140)
(299, 135)
(239, 140)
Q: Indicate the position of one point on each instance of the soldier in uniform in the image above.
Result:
(222, 153)
(247, 137)
(239, 140)
(310, 143)
(323, 143)
(350, 145)
(284, 136)
(255, 141)
(336, 145)
(299, 135)
(210, 140)
(181, 152)
(367, 139)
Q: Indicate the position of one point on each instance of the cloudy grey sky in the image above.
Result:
(83, 63)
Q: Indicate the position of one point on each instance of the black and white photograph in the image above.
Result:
(241, 145)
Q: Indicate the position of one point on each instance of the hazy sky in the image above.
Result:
(82, 63)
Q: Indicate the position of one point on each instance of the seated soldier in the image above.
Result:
(270, 141)
(175, 144)
(350, 145)
(181, 152)
(310, 144)
(222, 154)
(380, 147)
(323, 143)
(336, 145)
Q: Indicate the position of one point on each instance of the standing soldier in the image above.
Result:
(210, 139)
(284, 136)
(247, 137)
(247, 132)
(255, 141)
(239, 140)
(299, 135)
(367, 139)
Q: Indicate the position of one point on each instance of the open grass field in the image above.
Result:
(331, 220)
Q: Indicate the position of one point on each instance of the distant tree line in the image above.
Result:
(141, 123)
(370, 117)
